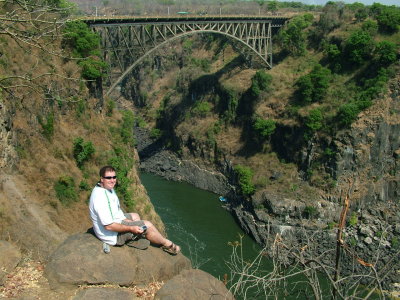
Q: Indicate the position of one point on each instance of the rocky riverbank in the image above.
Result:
(371, 238)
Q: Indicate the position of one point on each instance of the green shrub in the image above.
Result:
(358, 47)
(93, 69)
(395, 242)
(65, 190)
(155, 133)
(84, 186)
(245, 176)
(385, 53)
(314, 120)
(388, 19)
(82, 151)
(334, 57)
(140, 122)
(331, 225)
(361, 14)
(47, 126)
(122, 161)
(313, 86)
(85, 45)
(353, 219)
(370, 26)
(293, 36)
(126, 128)
(329, 153)
(310, 212)
(110, 106)
(81, 39)
(261, 81)
(202, 63)
(264, 127)
(229, 102)
(80, 108)
(201, 108)
(347, 114)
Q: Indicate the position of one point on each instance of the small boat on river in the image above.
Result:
(222, 199)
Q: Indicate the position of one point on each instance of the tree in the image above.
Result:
(313, 86)
(360, 11)
(33, 26)
(334, 57)
(358, 47)
(293, 36)
(244, 177)
(370, 26)
(272, 5)
(385, 53)
(330, 17)
(261, 81)
(347, 113)
(80, 39)
(314, 120)
(85, 45)
(389, 19)
(264, 127)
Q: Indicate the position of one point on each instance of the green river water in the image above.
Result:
(196, 220)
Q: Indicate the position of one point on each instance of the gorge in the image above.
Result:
(287, 146)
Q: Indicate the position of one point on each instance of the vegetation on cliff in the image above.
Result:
(329, 68)
(54, 134)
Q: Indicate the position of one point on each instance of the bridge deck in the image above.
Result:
(281, 19)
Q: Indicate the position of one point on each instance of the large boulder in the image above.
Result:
(193, 285)
(80, 260)
(10, 256)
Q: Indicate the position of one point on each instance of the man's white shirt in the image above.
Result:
(104, 210)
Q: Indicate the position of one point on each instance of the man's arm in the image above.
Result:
(123, 228)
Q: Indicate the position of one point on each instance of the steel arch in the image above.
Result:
(125, 44)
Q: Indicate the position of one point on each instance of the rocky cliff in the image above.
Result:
(366, 166)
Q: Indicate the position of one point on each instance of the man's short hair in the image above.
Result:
(105, 169)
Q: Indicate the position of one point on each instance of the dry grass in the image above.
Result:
(23, 277)
(28, 279)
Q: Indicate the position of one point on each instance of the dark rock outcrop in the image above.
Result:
(202, 286)
(80, 260)
(169, 166)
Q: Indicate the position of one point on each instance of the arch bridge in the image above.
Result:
(126, 41)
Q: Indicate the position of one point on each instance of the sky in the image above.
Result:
(366, 2)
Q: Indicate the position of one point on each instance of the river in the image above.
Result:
(196, 220)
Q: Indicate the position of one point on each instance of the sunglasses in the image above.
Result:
(110, 177)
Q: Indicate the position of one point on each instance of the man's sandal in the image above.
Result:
(173, 249)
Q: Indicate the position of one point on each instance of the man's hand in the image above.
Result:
(136, 229)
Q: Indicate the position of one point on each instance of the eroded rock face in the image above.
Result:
(194, 285)
(80, 260)
(10, 256)
(8, 155)
(371, 152)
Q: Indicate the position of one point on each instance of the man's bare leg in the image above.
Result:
(135, 216)
(155, 237)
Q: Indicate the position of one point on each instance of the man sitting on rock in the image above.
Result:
(113, 227)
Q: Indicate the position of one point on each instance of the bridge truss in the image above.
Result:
(126, 42)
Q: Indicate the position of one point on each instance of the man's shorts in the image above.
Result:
(124, 237)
